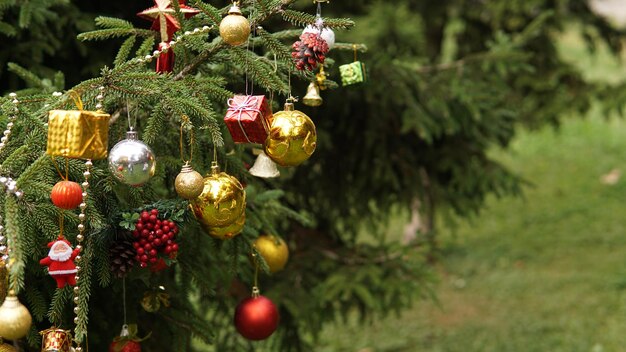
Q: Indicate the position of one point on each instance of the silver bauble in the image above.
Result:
(131, 161)
(326, 33)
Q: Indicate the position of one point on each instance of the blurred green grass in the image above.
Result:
(546, 272)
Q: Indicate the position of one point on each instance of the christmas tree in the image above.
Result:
(444, 82)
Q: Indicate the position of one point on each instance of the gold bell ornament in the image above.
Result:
(15, 319)
(56, 340)
(222, 200)
(273, 250)
(312, 97)
(264, 167)
(189, 183)
(292, 138)
(5, 347)
(235, 28)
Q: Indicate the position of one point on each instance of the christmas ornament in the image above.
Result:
(5, 347)
(325, 33)
(66, 195)
(4, 279)
(15, 319)
(264, 167)
(256, 318)
(153, 300)
(273, 250)
(60, 262)
(312, 97)
(235, 28)
(230, 231)
(189, 183)
(122, 258)
(310, 50)
(78, 133)
(127, 341)
(320, 79)
(131, 161)
(56, 340)
(292, 138)
(222, 201)
(153, 236)
(247, 118)
(352, 73)
(165, 60)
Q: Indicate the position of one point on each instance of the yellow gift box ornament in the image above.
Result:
(78, 134)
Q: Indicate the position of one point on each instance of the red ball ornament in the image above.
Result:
(66, 194)
(256, 318)
(125, 346)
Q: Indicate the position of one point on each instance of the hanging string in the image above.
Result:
(131, 126)
(185, 119)
(354, 48)
(56, 166)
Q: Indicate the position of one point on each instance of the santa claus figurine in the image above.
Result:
(60, 262)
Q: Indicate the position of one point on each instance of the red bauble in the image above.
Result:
(66, 194)
(125, 346)
(256, 318)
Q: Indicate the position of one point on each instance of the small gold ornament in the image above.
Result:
(235, 28)
(56, 340)
(153, 300)
(15, 319)
(264, 167)
(189, 183)
(274, 250)
(312, 97)
(227, 232)
(5, 347)
(4, 282)
(292, 138)
(222, 201)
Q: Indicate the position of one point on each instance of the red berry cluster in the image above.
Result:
(309, 50)
(153, 236)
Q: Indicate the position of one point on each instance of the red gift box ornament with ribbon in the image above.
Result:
(248, 118)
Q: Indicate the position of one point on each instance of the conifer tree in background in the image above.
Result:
(446, 80)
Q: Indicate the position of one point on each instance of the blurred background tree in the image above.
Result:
(447, 81)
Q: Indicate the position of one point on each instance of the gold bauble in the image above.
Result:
(4, 282)
(5, 347)
(189, 183)
(227, 232)
(221, 202)
(15, 319)
(292, 138)
(235, 28)
(274, 250)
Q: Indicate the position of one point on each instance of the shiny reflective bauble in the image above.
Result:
(66, 195)
(326, 33)
(221, 202)
(312, 97)
(15, 319)
(5, 347)
(131, 161)
(235, 28)
(292, 138)
(189, 183)
(230, 231)
(256, 318)
(274, 250)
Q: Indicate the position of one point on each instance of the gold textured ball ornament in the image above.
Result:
(221, 202)
(292, 138)
(15, 319)
(230, 231)
(5, 347)
(274, 250)
(189, 183)
(235, 28)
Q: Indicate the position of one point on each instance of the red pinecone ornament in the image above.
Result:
(310, 50)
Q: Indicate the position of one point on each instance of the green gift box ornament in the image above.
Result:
(352, 73)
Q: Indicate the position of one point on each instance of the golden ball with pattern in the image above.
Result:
(228, 232)
(221, 202)
(292, 138)
(15, 319)
(274, 250)
(5, 347)
(235, 28)
(189, 183)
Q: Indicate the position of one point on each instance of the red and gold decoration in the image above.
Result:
(60, 262)
(292, 138)
(127, 341)
(56, 340)
(66, 195)
(274, 251)
(79, 134)
(222, 202)
(235, 28)
(164, 21)
(15, 319)
(248, 118)
(256, 317)
(154, 236)
(310, 50)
